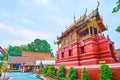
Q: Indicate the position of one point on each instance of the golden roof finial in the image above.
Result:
(54, 42)
(57, 37)
(66, 27)
(98, 4)
(61, 32)
(74, 17)
(85, 11)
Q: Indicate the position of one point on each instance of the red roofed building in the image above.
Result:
(45, 56)
(27, 62)
(2, 51)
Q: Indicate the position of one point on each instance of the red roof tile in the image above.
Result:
(23, 59)
(45, 56)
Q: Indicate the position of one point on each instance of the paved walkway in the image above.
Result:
(10, 78)
(2, 77)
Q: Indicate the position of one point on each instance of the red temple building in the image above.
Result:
(84, 45)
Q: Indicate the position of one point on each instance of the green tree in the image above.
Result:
(61, 72)
(118, 29)
(14, 51)
(85, 75)
(37, 45)
(71, 73)
(0, 68)
(105, 72)
(116, 9)
(1, 65)
(1, 56)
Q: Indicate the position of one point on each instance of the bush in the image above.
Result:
(85, 75)
(51, 71)
(0, 74)
(105, 72)
(44, 70)
(71, 73)
(61, 72)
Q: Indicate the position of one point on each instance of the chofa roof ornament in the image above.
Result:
(85, 11)
(98, 4)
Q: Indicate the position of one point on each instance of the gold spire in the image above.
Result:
(57, 37)
(85, 11)
(66, 27)
(74, 18)
(98, 4)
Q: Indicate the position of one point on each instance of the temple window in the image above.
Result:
(91, 30)
(84, 33)
(62, 54)
(82, 50)
(73, 36)
(70, 52)
(70, 37)
(95, 31)
(66, 40)
(63, 41)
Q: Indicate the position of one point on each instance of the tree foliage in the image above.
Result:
(37, 45)
(85, 75)
(61, 72)
(14, 50)
(1, 65)
(105, 72)
(118, 29)
(116, 9)
(71, 73)
(1, 56)
(0, 68)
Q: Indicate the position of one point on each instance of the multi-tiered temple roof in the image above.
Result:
(90, 24)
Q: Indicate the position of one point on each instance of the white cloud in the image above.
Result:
(4, 27)
(23, 33)
(62, 21)
(6, 43)
(48, 4)
(27, 21)
(23, 2)
(41, 2)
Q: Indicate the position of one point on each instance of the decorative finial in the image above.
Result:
(74, 17)
(66, 26)
(57, 37)
(98, 4)
(61, 32)
(54, 42)
(85, 11)
(108, 37)
(107, 27)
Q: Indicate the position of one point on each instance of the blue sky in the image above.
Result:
(22, 21)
